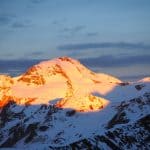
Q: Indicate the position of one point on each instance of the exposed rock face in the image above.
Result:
(139, 86)
(132, 136)
(32, 76)
(22, 129)
(128, 135)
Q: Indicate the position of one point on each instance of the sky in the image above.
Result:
(110, 36)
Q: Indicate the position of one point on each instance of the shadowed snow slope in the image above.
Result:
(62, 104)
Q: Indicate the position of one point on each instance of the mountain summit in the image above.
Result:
(60, 104)
(65, 75)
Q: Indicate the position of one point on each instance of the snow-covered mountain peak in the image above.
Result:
(60, 104)
(62, 78)
(66, 67)
(42, 72)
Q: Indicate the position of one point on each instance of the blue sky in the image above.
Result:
(111, 36)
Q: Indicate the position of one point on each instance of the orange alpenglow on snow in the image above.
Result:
(62, 78)
(87, 103)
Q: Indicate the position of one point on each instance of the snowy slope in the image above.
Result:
(60, 104)
(64, 75)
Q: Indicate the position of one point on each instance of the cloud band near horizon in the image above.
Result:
(123, 45)
(112, 61)
(105, 61)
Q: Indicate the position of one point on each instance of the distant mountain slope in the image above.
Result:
(60, 104)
